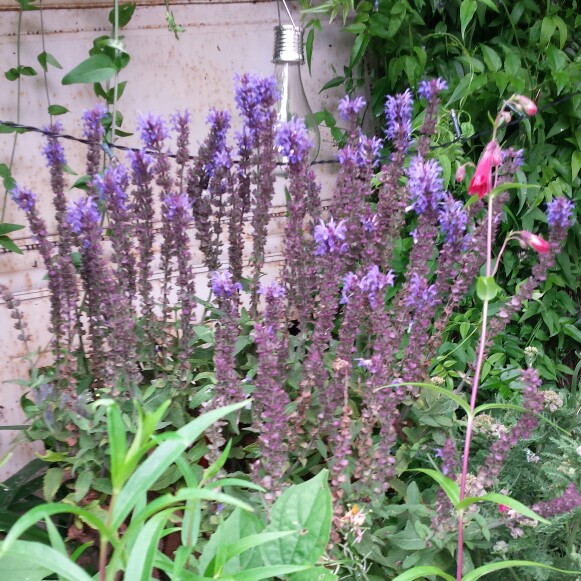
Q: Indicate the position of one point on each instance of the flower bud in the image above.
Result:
(461, 173)
(528, 106)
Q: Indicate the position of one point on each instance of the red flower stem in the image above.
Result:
(475, 382)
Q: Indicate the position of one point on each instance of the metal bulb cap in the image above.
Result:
(288, 44)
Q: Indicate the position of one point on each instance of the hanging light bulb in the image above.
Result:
(288, 58)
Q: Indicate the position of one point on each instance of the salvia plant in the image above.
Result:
(337, 352)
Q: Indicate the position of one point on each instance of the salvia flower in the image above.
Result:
(349, 108)
(373, 282)
(481, 183)
(420, 294)
(560, 212)
(223, 285)
(293, 141)
(432, 88)
(152, 130)
(568, 501)
(398, 111)
(425, 184)
(255, 96)
(330, 237)
(453, 219)
(24, 199)
(53, 150)
(81, 212)
(93, 129)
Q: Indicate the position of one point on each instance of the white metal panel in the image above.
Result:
(195, 72)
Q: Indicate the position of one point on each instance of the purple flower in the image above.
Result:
(350, 281)
(152, 130)
(93, 129)
(180, 120)
(350, 108)
(114, 183)
(420, 294)
(398, 111)
(447, 453)
(293, 141)
(453, 219)
(81, 212)
(568, 501)
(560, 212)
(255, 96)
(330, 237)
(273, 290)
(425, 184)
(375, 281)
(53, 150)
(223, 285)
(177, 203)
(430, 89)
(24, 198)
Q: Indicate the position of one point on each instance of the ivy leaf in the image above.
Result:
(95, 69)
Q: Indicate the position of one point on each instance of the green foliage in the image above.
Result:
(242, 547)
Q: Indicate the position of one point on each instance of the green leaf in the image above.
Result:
(52, 482)
(548, 28)
(359, 48)
(125, 14)
(57, 110)
(502, 499)
(21, 71)
(204, 333)
(238, 525)
(140, 563)
(95, 69)
(315, 574)
(259, 573)
(305, 508)
(575, 164)
(451, 489)
(334, 82)
(467, 11)
(6, 228)
(26, 560)
(422, 572)
(309, 47)
(492, 60)
(486, 288)
(7, 243)
(45, 59)
(162, 458)
(572, 331)
(117, 446)
(476, 574)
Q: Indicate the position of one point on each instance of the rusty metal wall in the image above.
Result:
(195, 72)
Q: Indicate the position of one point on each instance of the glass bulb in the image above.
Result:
(288, 58)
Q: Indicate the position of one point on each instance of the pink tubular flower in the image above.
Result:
(502, 508)
(481, 183)
(535, 242)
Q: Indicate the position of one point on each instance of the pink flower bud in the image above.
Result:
(529, 106)
(461, 173)
(535, 242)
(502, 508)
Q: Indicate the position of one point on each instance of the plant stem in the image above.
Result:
(116, 78)
(18, 49)
(475, 382)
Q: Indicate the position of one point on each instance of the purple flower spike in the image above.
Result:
(81, 212)
(93, 129)
(330, 237)
(425, 184)
(24, 198)
(453, 219)
(374, 282)
(350, 108)
(420, 294)
(560, 212)
(398, 111)
(432, 88)
(223, 285)
(293, 141)
(53, 150)
(177, 203)
(152, 130)
(274, 290)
